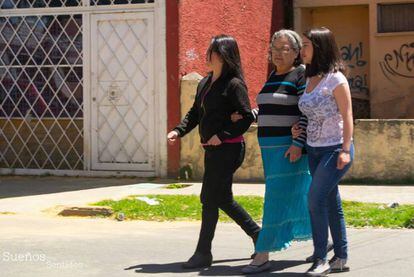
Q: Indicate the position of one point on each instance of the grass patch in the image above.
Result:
(378, 215)
(175, 207)
(188, 208)
(177, 186)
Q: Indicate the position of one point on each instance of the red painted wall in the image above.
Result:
(249, 21)
(190, 26)
(173, 83)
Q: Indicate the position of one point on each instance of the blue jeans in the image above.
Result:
(324, 201)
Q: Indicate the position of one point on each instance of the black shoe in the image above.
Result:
(198, 260)
(255, 237)
(253, 269)
(329, 248)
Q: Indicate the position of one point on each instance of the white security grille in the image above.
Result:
(119, 2)
(41, 87)
(21, 4)
(124, 100)
(73, 107)
(27, 4)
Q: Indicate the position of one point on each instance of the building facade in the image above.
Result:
(91, 87)
(376, 40)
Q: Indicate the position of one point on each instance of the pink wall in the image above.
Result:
(249, 21)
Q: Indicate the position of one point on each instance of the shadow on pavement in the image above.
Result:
(218, 270)
(17, 186)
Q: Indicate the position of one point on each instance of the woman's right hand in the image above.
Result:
(236, 117)
(296, 130)
(172, 137)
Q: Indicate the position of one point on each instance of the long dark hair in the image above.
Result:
(228, 50)
(326, 56)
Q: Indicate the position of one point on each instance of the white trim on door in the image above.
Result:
(161, 157)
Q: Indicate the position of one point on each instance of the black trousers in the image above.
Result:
(220, 163)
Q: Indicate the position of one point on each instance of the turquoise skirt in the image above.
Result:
(285, 212)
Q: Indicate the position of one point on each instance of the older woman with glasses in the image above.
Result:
(285, 216)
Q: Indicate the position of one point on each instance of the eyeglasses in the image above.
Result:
(283, 50)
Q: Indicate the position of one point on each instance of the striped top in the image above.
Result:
(278, 105)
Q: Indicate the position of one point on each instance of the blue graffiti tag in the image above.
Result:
(348, 53)
(353, 57)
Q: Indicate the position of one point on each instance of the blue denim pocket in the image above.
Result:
(335, 152)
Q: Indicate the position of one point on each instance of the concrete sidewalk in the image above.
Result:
(62, 247)
(32, 195)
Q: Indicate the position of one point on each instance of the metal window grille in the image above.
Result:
(119, 2)
(41, 84)
(27, 4)
(395, 18)
(41, 87)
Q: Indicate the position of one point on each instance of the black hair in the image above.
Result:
(326, 57)
(226, 47)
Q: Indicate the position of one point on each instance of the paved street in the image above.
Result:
(100, 247)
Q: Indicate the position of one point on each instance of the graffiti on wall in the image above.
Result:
(353, 55)
(399, 62)
(350, 53)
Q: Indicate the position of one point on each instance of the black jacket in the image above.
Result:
(213, 107)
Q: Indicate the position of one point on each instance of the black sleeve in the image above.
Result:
(191, 119)
(189, 122)
(303, 120)
(239, 99)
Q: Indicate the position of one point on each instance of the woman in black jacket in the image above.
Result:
(219, 94)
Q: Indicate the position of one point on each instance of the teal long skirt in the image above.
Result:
(285, 212)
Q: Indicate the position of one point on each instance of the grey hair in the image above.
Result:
(293, 37)
(295, 42)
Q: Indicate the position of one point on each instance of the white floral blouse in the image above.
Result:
(325, 123)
